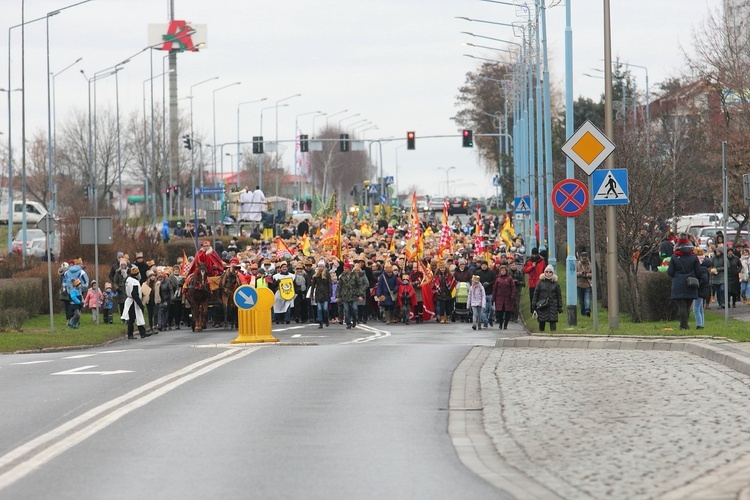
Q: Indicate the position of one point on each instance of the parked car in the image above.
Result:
(435, 204)
(38, 248)
(31, 235)
(477, 202)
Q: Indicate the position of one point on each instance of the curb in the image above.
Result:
(724, 353)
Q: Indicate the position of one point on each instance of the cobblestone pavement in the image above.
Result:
(599, 423)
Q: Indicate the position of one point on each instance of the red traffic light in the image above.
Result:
(410, 140)
(176, 188)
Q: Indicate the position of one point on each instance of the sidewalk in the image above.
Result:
(665, 417)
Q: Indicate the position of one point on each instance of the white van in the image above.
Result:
(34, 212)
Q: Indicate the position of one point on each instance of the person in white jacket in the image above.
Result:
(745, 274)
(134, 305)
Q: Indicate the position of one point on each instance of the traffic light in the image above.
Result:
(258, 145)
(304, 145)
(176, 190)
(86, 192)
(410, 140)
(468, 139)
(167, 192)
(188, 142)
(344, 143)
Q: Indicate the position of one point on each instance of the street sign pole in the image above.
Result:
(48, 225)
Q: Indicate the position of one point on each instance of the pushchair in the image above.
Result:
(461, 311)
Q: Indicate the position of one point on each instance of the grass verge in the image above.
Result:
(36, 334)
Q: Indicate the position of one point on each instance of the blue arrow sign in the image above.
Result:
(610, 187)
(245, 297)
(383, 198)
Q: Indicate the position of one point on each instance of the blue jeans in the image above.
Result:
(322, 311)
(477, 315)
(487, 310)
(698, 311)
(584, 300)
(350, 312)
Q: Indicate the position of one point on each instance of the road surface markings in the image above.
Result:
(33, 362)
(80, 371)
(376, 334)
(289, 328)
(29, 457)
(299, 335)
(80, 356)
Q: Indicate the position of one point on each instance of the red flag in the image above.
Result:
(185, 264)
(281, 248)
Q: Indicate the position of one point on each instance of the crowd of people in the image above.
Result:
(476, 275)
(699, 276)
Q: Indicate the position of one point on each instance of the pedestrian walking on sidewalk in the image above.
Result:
(547, 299)
(684, 265)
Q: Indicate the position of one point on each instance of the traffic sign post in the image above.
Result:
(570, 197)
(253, 315)
(522, 205)
(588, 147)
(610, 187)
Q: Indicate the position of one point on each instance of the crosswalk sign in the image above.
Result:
(610, 187)
(522, 205)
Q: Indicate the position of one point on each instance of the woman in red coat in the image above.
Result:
(504, 297)
(534, 267)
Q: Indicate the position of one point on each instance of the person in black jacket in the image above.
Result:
(683, 265)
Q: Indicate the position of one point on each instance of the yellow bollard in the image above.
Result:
(253, 315)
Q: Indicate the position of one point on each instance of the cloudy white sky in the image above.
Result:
(395, 63)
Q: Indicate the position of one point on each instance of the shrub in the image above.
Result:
(24, 293)
(655, 303)
(12, 319)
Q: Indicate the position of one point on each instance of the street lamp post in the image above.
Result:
(396, 154)
(53, 154)
(192, 138)
(277, 138)
(313, 122)
(239, 153)
(335, 114)
(260, 158)
(447, 180)
(297, 185)
(214, 122)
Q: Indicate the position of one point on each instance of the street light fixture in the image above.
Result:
(296, 135)
(192, 137)
(313, 121)
(52, 151)
(239, 153)
(260, 158)
(335, 114)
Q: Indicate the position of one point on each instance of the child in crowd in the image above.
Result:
(92, 300)
(476, 301)
(76, 302)
(407, 298)
(333, 309)
(107, 303)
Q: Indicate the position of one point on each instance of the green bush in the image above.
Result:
(28, 294)
(12, 319)
(656, 291)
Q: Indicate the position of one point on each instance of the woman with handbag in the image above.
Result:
(684, 271)
(547, 300)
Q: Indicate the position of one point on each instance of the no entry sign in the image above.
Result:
(570, 197)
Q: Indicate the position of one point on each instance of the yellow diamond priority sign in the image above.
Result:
(588, 147)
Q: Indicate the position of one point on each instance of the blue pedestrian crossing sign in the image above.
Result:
(522, 205)
(372, 189)
(245, 297)
(610, 187)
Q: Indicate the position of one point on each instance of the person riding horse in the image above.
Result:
(207, 256)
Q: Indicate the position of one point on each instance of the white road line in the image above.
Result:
(376, 334)
(288, 328)
(33, 362)
(79, 356)
(81, 371)
(120, 350)
(26, 458)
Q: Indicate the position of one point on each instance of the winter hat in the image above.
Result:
(347, 265)
(139, 255)
(321, 263)
(549, 268)
(120, 255)
(108, 286)
(535, 251)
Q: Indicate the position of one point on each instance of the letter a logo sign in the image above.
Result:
(179, 33)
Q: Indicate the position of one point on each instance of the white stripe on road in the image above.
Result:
(79, 356)
(32, 362)
(376, 334)
(30, 456)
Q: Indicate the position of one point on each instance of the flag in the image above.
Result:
(478, 228)
(281, 248)
(392, 247)
(416, 228)
(478, 247)
(332, 237)
(185, 264)
(446, 204)
(445, 239)
(428, 306)
(305, 245)
(507, 233)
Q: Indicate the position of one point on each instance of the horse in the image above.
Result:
(197, 293)
(227, 286)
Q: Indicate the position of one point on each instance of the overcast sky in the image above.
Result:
(395, 63)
